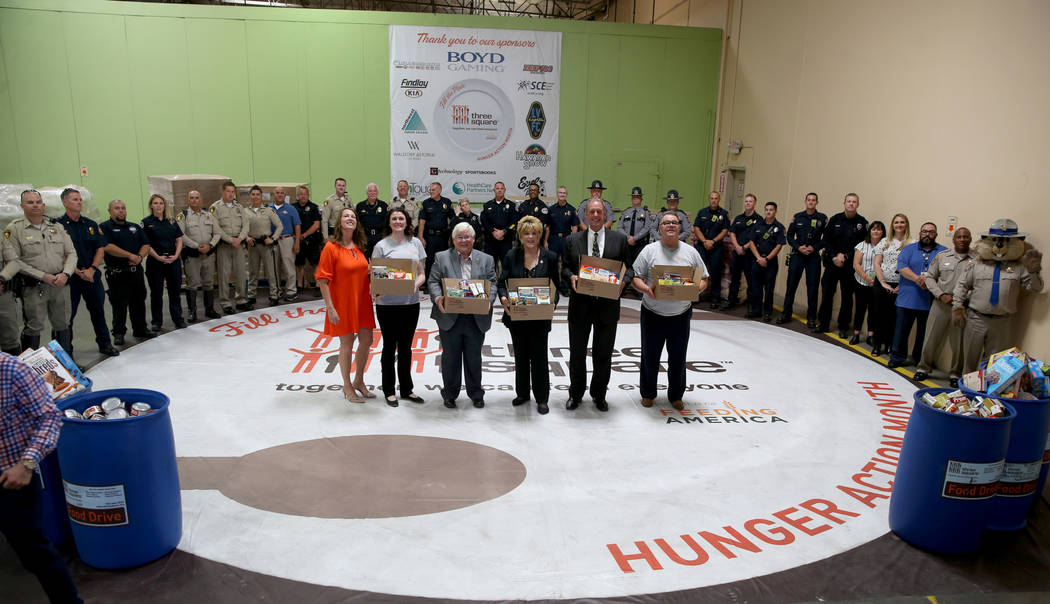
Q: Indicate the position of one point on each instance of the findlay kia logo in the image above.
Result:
(414, 88)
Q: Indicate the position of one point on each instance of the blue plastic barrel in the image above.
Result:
(121, 481)
(1020, 485)
(54, 518)
(947, 477)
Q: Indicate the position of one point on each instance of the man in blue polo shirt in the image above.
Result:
(288, 243)
(913, 299)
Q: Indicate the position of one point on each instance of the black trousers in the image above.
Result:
(658, 330)
(583, 316)
(842, 276)
(883, 315)
(740, 265)
(760, 286)
(713, 260)
(435, 244)
(461, 355)
(862, 295)
(94, 295)
(398, 325)
(162, 275)
(498, 249)
(127, 294)
(811, 266)
(21, 526)
(530, 358)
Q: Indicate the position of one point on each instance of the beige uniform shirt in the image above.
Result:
(945, 270)
(331, 208)
(975, 285)
(410, 206)
(263, 222)
(198, 228)
(40, 250)
(232, 219)
(8, 268)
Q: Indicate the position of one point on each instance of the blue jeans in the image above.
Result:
(905, 318)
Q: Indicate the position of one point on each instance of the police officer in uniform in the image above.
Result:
(126, 249)
(371, 217)
(841, 235)
(767, 237)
(563, 222)
(86, 281)
(9, 341)
(333, 206)
(200, 235)
(499, 219)
(264, 229)
(741, 258)
(532, 206)
(231, 257)
(636, 222)
(710, 229)
(45, 257)
(610, 213)
(163, 268)
(435, 222)
(473, 219)
(403, 201)
(806, 237)
(310, 241)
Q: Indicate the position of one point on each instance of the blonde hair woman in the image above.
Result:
(164, 266)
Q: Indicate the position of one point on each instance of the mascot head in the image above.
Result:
(1002, 242)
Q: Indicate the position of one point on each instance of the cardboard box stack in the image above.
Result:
(175, 187)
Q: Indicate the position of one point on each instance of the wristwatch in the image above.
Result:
(29, 463)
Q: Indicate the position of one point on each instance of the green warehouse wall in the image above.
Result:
(267, 95)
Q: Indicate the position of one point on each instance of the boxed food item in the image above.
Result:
(61, 381)
(467, 296)
(600, 277)
(530, 299)
(960, 404)
(175, 188)
(1001, 375)
(676, 282)
(393, 276)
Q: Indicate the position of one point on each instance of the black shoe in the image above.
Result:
(784, 319)
(415, 398)
(894, 364)
(876, 350)
(953, 382)
(714, 304)
(451, 404)
(211, 314)
(920, 376)
(251, 301)
(391, 400)
(854, 339)
(751, 315)
(479, 404)
(519, 401)
(814, 327)
(767, 319)
(870, 340)
(291, 297)
(572, 403)
(601, 405)
(108, 350)
(228, 310)
(542, 408)
(246, 306)
(156, 327)
(180, 324)
(725, 305)
(144, 335)
(118, 339)
(843, 334)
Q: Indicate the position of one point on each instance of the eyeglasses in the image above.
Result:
(464, 237)
(675, 223)
(928, 232)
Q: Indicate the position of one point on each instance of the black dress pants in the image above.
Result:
(883, 315)
(127, 294)
(398, 325)
(713, 261)
(842, 276)
(161, 276)
(760, 286)
(94, 295)
(20, 525)
(461, 354)
(658, 330)
(811, 266)
(863, 295)
(740, 265)
(435, 243)
(583, 317)
(530, 358)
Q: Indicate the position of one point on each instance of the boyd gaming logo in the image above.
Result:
(458, 188)
(525, 183)
(536, 120)
(475, 61)
(460, 114)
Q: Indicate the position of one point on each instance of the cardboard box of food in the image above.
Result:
(384, 285)
(531, 312)
(466, 306)
(601, 289)
(175, 188)
(687, 293)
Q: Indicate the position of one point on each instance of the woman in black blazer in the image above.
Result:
(529, 260)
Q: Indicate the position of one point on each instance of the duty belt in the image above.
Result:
(115, 271)
(566, 234)
(436, 231)
(373, 231)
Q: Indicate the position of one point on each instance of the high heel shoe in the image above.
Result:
(854, 339)
(876, 350)
(364, 391)
(352, 396)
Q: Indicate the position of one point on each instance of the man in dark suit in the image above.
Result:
(586, 312)
(462, 336)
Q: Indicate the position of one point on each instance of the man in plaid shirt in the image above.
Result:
(29, 427)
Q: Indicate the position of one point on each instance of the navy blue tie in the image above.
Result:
(995, 284)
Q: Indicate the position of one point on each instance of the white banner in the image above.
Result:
(469, 107)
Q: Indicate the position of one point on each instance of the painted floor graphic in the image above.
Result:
(783, 456)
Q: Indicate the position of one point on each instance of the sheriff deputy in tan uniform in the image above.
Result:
(233, 228)
(411, 207)
(200, 235)
(941, 278)
(9, 341)
(333, 206)
(264, 229)
(45, 257)
(991, 290)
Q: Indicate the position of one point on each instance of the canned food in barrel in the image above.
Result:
(93, 410)
(140, 409)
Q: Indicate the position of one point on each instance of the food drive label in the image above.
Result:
(970, 480)
(96, 505)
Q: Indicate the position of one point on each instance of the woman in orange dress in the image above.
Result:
(342, 275)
